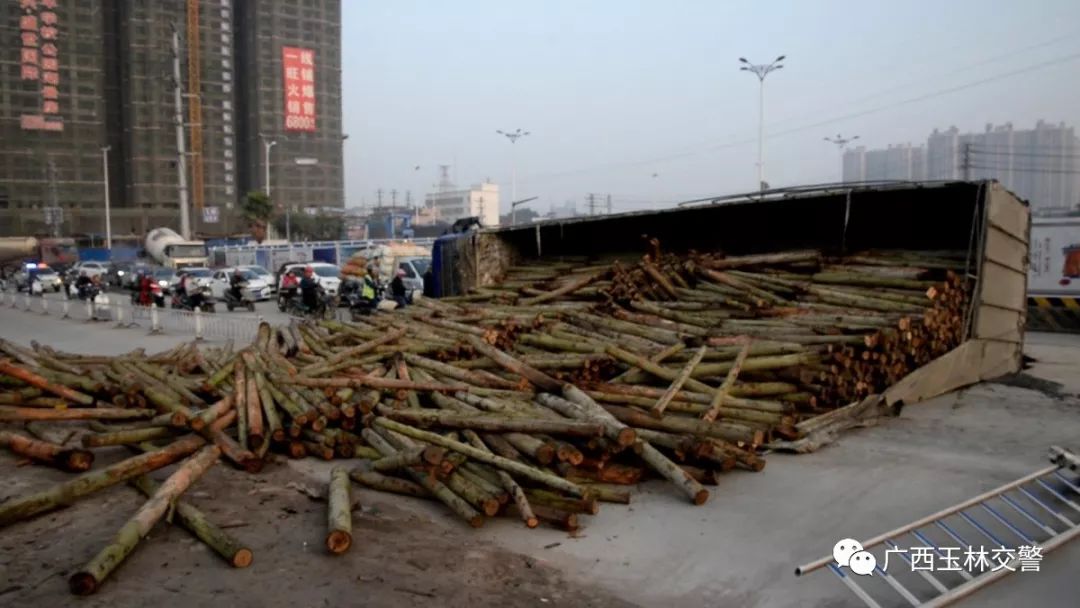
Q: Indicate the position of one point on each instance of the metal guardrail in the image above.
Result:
(119, 310)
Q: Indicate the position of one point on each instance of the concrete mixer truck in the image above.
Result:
(59, 253)
(168, 248)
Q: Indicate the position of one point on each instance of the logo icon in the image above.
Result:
(849, 553)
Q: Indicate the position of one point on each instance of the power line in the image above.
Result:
(822, 123)
(1027, 170)
(1025, 154)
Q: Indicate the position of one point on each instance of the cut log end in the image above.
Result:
(532, 522)
(626, 437)
(242, 558)
(197, 424)
(77, 461)
(338, 541)
(83, 583)
(476, 521)
(701, 497)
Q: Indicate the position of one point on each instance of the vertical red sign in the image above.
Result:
(298, 65)
(39, 62)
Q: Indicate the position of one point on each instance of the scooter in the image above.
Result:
(359, 306)
(324, 305)
(201, 299)
(244, 301)
(154, 296)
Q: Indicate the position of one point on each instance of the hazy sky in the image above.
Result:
(614, 91)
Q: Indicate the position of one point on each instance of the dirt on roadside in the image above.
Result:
(397, 558)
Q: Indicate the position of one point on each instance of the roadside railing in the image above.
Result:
(119, 310)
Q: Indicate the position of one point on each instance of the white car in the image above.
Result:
(328, 275)
(92, 269)
(257, 287)
(203, 277)
(263, 274)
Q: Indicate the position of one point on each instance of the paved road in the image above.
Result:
(742, 546)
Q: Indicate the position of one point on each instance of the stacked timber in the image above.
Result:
(537, 399)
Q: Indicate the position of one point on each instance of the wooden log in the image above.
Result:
(498, 424)
(24, 375)
(608, 492)
(127, 437)
(428, 481)
(240, 396)
(505, 464)
(733, 373)
(207, 416)
(385, 483)
(531, 374)
(677, 384)
(567, 288)
(63, 494)
(193, 520)
(588, 506)
(370, 381)
(253, 402)
(508, 484)
(339, 512)
(65, 459)
(89, 579)
(232, 450)
(540, 450)
(22, 414)
(682, 424)
(621, 434)
(273, 422)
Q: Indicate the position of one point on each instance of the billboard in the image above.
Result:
(298, 65)
(39, 59)
(1054, 256)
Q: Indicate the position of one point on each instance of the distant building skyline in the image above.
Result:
(1041, 164)
(478, 200)
(80, 77)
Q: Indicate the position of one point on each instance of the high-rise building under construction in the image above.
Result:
(86, 84)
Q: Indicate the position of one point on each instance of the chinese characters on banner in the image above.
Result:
(39, 61)
(299, 79)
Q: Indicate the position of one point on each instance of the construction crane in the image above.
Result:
(195, 103)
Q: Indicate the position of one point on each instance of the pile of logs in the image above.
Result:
(536, 399)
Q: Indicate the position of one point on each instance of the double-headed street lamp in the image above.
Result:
(841, 143)
(761, 70)
(267, 144)
(513, 136)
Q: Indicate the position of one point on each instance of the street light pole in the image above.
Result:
(761, 71)
(513, 136)
(841, 143)
(108, 219)
(266, 162)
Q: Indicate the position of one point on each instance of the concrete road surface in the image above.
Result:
(741, 548)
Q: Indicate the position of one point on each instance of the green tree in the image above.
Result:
(256, 206)
(257, 209)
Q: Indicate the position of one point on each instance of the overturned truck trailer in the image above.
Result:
(981, 218)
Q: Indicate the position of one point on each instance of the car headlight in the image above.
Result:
(163, 283)
(119, 273)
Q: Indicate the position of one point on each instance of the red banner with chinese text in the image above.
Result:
(298, 66)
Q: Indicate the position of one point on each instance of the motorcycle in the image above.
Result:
(358, 305)
(86, 292)
(201, 299)
(155, 295)
(324, 305)
(244, 301)
(284, 295)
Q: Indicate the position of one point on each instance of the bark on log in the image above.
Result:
(6, 367)
(66, 459)
(87, 580)
(669, 394)
(498, 424)
(22, 414)
(231, 550)
(339, 512)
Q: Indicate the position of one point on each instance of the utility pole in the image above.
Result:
(378, 197)
(609, 204)
(181, 152)
(761, 71)
(54, 200)
(105, 172)
(393, 198)
(408, 198)
(592, 203)
(966, 162)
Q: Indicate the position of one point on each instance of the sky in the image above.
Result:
(643, 100)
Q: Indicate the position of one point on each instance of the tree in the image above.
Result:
(257, 209)
(306, 227)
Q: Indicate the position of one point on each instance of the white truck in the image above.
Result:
(169, 249)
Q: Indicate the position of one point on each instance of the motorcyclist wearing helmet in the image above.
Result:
(236, 284)
(309, 286)
(397, 288)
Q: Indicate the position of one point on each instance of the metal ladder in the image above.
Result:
(1045, 512)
